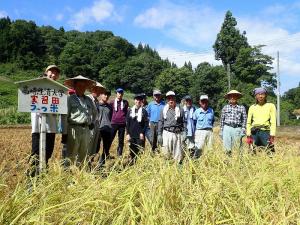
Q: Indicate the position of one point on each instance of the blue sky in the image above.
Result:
(178, 30)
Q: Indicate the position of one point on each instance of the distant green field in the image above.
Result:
(8, 93)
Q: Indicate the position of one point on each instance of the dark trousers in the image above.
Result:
(261, 138)
(120, 128)
(34, 158)
(135, 146)
(153, 135)
(105, 136)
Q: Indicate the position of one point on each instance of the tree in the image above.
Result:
(175, 79)
(110, 76)
(188, 65)
(76, 59)
(137, 74)
(27, 45)
(140, 72)
(210, 80)
(229, 41)
(251, 70)
(54, 42)
(252, 66)
(293, 96)
(5, 39)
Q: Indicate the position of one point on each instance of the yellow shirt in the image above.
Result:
(262, 115)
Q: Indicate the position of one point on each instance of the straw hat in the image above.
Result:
(233, 92)
(52, 67)
(99, 86)
(70, 82)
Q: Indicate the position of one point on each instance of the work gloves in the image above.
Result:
(271, 140)
(249, 140)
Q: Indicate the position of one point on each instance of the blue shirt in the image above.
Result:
(204, 119)
(154, 109)
(188, 114)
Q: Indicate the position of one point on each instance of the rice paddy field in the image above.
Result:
(215, 189)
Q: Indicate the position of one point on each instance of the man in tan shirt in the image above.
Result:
(80, 111)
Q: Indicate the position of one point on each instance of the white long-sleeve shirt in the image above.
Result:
(51, 123)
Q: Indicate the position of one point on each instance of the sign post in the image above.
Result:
(42, 96)
(42, 147)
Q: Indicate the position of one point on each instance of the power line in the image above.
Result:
(272, 42)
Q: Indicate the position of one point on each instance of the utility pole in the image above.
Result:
(228, 75)
(278, 91)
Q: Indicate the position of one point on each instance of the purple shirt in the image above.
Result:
(119, 115)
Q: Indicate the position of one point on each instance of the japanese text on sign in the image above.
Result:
(43, 96)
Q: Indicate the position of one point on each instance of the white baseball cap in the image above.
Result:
(203, 97)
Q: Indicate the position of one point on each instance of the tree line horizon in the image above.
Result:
(115, 62)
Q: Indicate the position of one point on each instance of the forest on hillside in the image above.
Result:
(26, 49)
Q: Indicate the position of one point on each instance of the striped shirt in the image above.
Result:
(234, 115)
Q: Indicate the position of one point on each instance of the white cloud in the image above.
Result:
(185, 23)
(99, 12)
(180, 57)
(196, 26)
(275, 9)
(276, 39)
(3, 14)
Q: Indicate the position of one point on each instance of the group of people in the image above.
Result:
(168, 126)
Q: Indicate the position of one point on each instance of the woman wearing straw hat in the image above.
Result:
(233, 122)
(79, 118)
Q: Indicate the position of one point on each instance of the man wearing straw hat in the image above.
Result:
(261, 122)
(51, 72)
(96, 90)
(233, 122)
(172, 128)
(80, 112)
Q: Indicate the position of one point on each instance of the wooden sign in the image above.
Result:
(42, 95)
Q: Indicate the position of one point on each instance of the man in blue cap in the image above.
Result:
(261, 121)
(118, 121)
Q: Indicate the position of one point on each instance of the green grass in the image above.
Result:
(213, 190)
